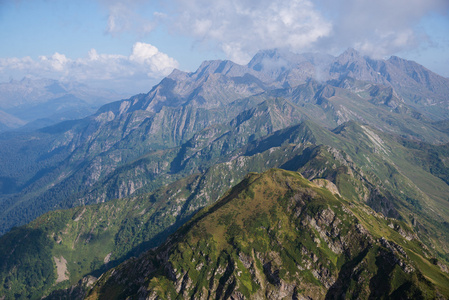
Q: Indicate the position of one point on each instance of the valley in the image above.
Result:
(257, 180)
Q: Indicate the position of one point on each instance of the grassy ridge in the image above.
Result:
(278, 234)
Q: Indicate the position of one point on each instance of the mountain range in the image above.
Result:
(40, 102)
(357, 203)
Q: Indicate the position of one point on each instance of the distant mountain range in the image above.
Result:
(41, 102)
(364, 143)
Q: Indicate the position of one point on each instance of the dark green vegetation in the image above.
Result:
(166, 155)
(27, 267)
(277, 235)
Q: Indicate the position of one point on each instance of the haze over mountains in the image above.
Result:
(370, 138)
(42, 102)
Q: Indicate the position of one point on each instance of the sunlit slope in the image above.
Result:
(278, 235)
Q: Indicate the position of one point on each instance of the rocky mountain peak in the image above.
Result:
(350, 52)
(263, 54)
(275, 59)
(178, 75)
(225, 67)
(351, 64)
(350, 57)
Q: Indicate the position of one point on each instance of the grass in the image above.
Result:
(268, 229)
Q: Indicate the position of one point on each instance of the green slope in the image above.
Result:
(91, 239)
(94, 238)
(278, 235)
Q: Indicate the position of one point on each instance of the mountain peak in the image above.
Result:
(268, 53)
(350, 55)
(225, 67)
(274, 58)
(351, 52)
(177, 74)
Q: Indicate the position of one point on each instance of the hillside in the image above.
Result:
(92, 239)
(278, 235)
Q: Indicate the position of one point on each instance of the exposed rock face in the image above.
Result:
(327, 184)
(61, 267)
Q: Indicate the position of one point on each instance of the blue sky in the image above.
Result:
(130, 45)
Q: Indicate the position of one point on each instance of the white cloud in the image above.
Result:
(378, 28)
(56, 62)
(240, 28)
(126, 16)
(143, 52)
(145, 63)
(158, 62)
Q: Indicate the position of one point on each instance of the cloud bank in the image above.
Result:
(381, 27)
(240, 28)
(145, 63)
